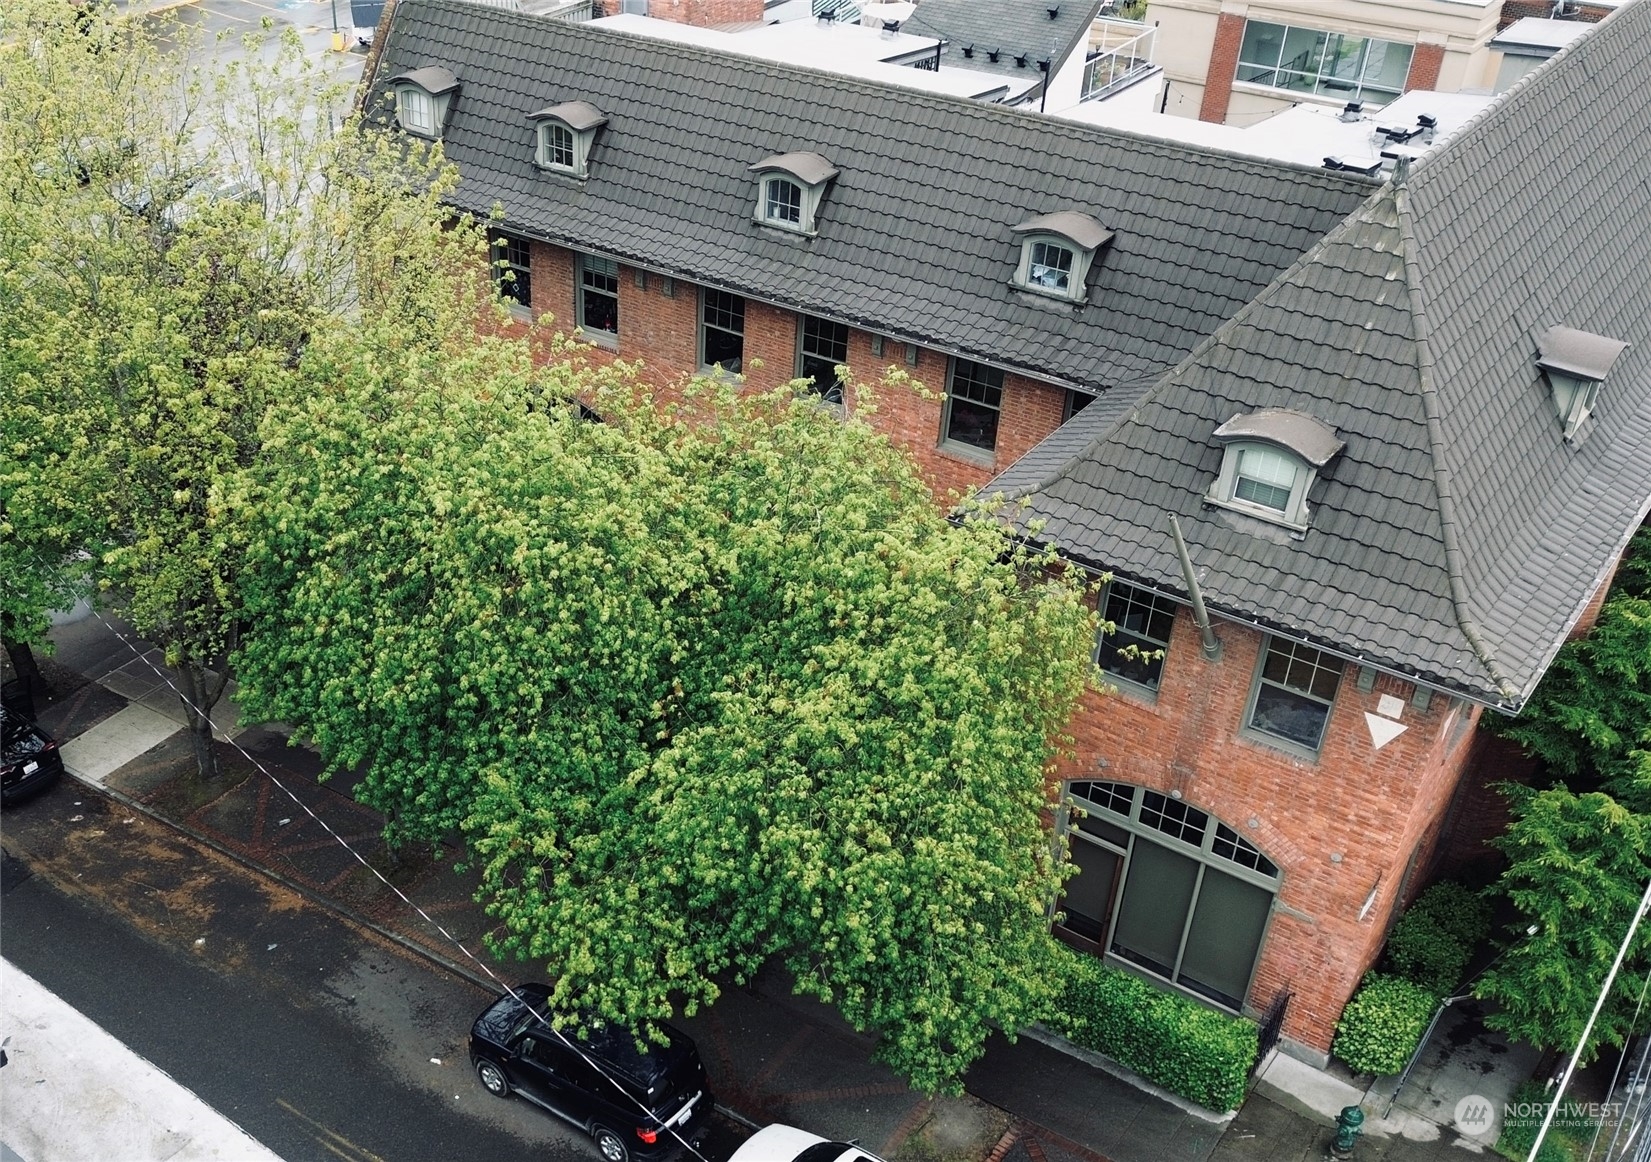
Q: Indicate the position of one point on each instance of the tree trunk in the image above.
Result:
(201, 691)
(31, 684)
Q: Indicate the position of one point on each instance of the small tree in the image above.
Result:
(215, 214)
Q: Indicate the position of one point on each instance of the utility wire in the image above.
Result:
(402, 896)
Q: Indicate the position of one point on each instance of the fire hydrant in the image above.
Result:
(1347, 1132)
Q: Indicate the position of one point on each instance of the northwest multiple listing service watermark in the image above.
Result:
(1479, 1117)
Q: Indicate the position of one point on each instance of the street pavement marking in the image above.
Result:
(356, 1153)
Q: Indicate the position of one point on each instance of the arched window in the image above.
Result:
(1165, 888)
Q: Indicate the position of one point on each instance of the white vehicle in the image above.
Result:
(779, 1143)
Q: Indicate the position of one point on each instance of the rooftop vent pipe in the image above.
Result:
(1352, 111)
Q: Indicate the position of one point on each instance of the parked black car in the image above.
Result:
(32, 761)
(634, 1105)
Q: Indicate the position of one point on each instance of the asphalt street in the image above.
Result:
(319, 1039)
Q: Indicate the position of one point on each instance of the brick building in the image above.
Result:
(1404, 426)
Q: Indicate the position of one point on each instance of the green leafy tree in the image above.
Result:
(215, 213)
(1578, 865)
(704, 687)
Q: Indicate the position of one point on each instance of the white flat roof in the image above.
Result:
(1305, 133)
(1540, 33)
(847, 49)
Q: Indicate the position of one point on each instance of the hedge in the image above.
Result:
(1171, 1040)
(1383, 1023)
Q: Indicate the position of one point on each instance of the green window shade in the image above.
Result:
(1088, 899)
(1225, 937)
(1154, 910)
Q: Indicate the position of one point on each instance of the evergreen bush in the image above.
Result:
(1433, 940)
(1171, 1040)
(1383, 1023)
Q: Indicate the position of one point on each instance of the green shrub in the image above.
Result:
(1172, 1041)
(1517, 1136)
(1421, 950)
(1457, 909)
(1433, 940)
(1383, 1023)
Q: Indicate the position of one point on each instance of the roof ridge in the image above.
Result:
(1442, 481)
(1025, 116)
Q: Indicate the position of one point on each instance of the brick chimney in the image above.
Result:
(707, 13)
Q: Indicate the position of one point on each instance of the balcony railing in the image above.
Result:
(1120, 52)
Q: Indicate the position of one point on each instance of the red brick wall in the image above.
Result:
(706, 13)
(1374, 809)
(1425, 63)
(662, 334)
(1218, 83)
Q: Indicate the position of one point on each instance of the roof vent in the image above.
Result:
(1020, 61)
(890, 27)
(1352, 111)
(1398, 134)
(993, 54)
(1043, 66)
(1576, 363)
(1054, 13)
(1367, 166)
(969, 51)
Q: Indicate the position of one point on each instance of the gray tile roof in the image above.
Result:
(915, 231)
(1010, 27)
(1458, 536)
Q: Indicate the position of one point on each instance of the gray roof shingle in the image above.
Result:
(916, 230)
(1458, 537)
(1011, 28)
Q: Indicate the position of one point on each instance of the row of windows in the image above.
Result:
(975, 391)
(1295, 686)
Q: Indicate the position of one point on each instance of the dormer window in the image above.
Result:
(563, 137)
(790, 187)
(1576, 363)
(1056, 253)
(423, 98)
(1272, 458)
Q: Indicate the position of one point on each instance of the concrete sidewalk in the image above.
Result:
(70, 1092)
(772, 1056)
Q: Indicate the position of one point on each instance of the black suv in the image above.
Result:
(32, 762)
(633, 1105)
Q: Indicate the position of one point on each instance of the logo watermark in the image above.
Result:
(1477, 1116)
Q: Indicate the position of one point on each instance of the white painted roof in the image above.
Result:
(1539, 33)
(848, 49)
(1305, 133)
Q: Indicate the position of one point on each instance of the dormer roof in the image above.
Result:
(1579, 353)
(433, 79)
(809, 168)
(576, 115)
(1309, 437)
(1079, 227)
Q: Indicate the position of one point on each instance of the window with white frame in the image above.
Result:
(416, 111)
(1166, 888)
(513, 269)
(822, 347)
(558, 145)
(1337, 65)
(783, 201)
(599, 294)
(564, 136)
(422, 98)
(1270, 463)
(1133, 650)
(790, 189)
(1295, 688)
(1056, 252)
(974, 403)
(721, 330)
